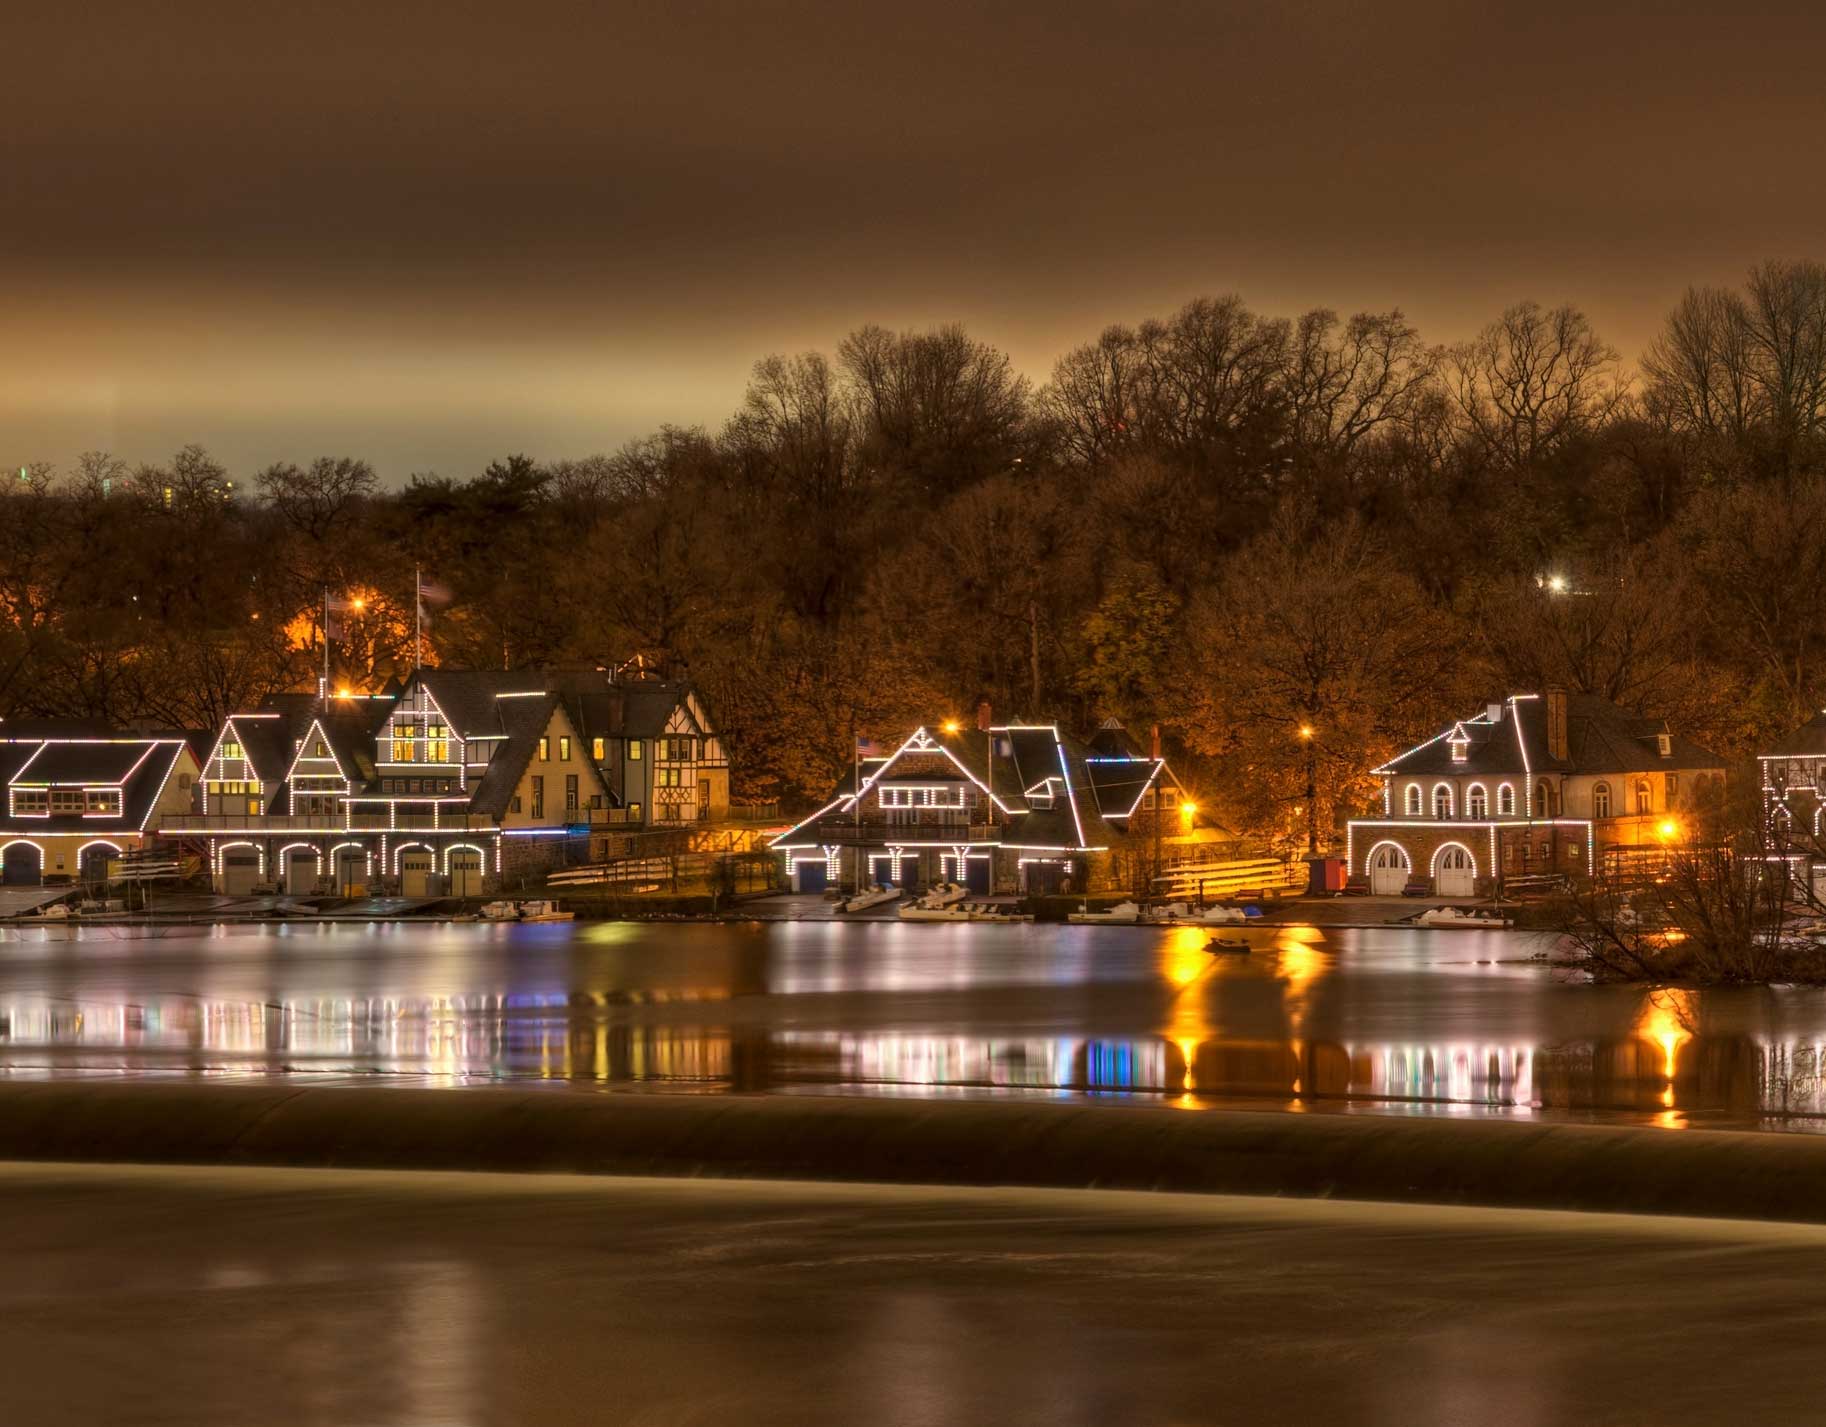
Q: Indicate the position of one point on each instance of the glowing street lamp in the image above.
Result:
(1312, 789)
(1668, 829)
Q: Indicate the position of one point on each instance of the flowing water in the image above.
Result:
(1391, 1019)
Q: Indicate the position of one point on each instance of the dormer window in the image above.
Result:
(1664, 744)
(1461, 749)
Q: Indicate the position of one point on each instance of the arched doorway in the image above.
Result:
(417, 865)
(240, 870)
(1455, 872)
(92, 863)
(22, 864)
(302, 868)
(465, 872)
(351, 870)
(1388, 870)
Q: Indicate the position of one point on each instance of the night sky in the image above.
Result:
(431, 233)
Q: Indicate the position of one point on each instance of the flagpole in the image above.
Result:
(323, 685)
(418, 617)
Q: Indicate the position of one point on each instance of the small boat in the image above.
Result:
(544, 912)
(1227, 946)
(500, 911)
(56, 912)
(963, 912)
(1123, 914)
(871, 897)
(1187, 914)
(1465, 918)
(946, 894)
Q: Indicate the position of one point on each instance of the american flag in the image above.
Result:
(431, 593)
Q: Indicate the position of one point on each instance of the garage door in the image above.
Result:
(240, 872)
(465, 873)
(301, 872)
(810, 876)
(24, 865)
(415, 869)
(1455, 874)
(1388, 871)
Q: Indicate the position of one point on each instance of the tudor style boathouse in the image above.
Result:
(460, 780)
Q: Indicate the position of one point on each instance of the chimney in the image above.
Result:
(1154, 743)
(984, 715)
(1493, 713)
(1556, 721)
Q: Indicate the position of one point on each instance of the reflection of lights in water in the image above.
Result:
(1185, 962)
(1666, 1019)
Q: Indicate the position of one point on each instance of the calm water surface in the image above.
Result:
(1395, 1019)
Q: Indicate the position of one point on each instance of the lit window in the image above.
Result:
(634, 750)
(545, 750)
(597, 749)
(564, 748)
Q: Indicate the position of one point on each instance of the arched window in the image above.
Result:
(1505, 800)
(1477, 801)
(1543, 800)
(1442, 800)
(1645, 799)
(1600, 801)
(1413, 800)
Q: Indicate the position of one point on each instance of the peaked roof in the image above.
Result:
(1600, 738)
(1051, 789)
(1807, 741)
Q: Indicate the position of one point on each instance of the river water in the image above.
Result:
(1394, 1020)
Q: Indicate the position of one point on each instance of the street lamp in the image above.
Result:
(1312, 789)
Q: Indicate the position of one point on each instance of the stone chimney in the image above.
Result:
(984, 715)
(1556, 721)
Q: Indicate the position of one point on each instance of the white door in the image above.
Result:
(415, 874)
(465, 873)
(300, 872)
(1455, 876)
(1388, 871)
(240, 872)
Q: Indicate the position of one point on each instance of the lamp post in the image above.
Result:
(1312, 789)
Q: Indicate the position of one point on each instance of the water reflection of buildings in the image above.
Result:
(1665, 1065)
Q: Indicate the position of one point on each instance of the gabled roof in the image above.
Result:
(1807, 741)
(1052, 791)
(1600, 738)
(266, 741)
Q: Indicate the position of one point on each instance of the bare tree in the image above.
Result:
(1532, 381)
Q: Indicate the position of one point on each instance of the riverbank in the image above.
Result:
(981, 1143)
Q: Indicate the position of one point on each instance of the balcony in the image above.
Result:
(173, 823)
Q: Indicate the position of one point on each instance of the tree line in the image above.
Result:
(1229, 524)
